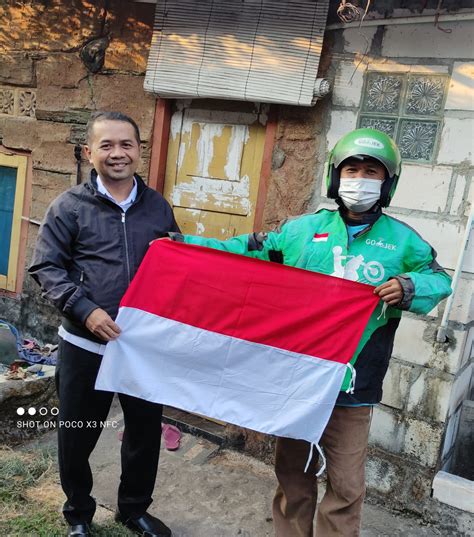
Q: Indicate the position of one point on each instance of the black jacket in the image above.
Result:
(88, 249)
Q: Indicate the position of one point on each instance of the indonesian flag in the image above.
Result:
(253, 343)
(320, 237)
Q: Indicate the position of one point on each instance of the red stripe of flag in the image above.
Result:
(258, 301)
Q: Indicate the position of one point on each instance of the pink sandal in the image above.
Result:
(171, 435)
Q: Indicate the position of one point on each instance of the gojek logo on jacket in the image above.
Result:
(372, 271)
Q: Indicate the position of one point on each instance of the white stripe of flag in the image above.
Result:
(249, 342)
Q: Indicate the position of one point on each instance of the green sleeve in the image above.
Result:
(425, 283)
(257, 245)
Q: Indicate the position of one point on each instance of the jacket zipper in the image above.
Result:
(126, 247)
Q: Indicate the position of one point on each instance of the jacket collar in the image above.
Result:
(369, 217)
(92, 184)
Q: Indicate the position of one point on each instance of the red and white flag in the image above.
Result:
(320, 237)
(249, 342)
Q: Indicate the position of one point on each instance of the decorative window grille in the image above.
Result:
(409, 108)
(246, 50)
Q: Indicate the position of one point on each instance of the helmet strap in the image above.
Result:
(335, 181)
(385, 193)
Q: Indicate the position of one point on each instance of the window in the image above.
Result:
(12, 191)
(408, 108)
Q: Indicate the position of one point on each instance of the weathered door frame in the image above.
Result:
(159, 152)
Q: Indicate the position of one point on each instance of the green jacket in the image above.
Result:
(386, 249)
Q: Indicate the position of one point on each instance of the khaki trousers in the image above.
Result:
(345, 442)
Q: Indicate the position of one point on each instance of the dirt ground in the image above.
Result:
(202, 491)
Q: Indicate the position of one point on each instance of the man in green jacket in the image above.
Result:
(360, 243)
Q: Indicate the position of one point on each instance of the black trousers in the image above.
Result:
(76, 374)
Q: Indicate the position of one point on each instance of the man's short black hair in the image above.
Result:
(102, 115)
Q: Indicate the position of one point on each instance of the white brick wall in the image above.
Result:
(381, 475)
(463, 302)
(444, 237)
(411, 436)
(468, 347)
(417, 389)
(457, 140)
(461, 88)
(396, 384)
(342, 121)
(397, 66)
(460, 387)
(386, 431)
(454, 490)
(424, 40)
(457, 203)
(422, 440)
(431, 182)
(409, 343)
(429, 395)
(468, 261)
(420, 380)
(348, 84)
(411, 347)
(451, 432)
(354, 40)
(470, 198)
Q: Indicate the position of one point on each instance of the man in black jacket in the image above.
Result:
(89, 247)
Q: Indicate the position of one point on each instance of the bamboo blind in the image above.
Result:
(250, 50)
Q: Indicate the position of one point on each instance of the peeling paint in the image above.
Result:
(181, 153)
(205, 145)
(238, 138)
(225, 194)
(175, 124)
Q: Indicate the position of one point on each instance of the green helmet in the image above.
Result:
(365, 143)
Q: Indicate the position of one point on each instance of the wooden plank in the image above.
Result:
(19, 162)
(159, 147)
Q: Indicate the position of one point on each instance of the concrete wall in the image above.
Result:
(414, 429)
(47, 94)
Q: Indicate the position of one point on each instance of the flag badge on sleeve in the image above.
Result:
(320, 237)
(249, 342)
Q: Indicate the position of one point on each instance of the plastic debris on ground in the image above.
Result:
(27, 350)
(171, 435)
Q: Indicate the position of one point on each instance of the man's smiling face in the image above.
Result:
(113, 150)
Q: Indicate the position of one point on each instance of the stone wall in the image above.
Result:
(47, 93)
(413, 432)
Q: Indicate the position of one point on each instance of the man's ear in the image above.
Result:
(87, 152)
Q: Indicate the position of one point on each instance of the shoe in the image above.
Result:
(79, 530)
(146, 525)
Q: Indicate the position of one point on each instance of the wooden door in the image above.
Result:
(213, 168)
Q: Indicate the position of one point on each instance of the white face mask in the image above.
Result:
(359, 195)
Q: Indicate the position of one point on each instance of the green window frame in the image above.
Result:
(13, 170)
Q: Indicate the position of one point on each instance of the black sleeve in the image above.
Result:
(51, 258)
